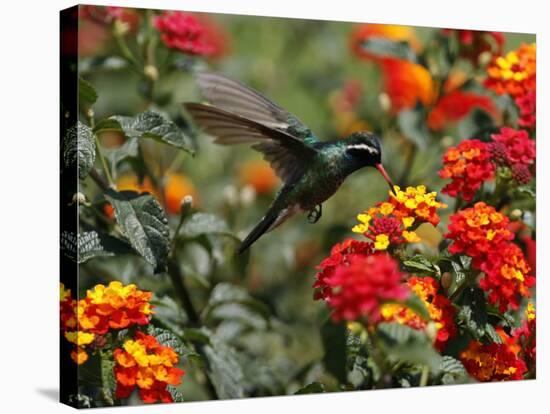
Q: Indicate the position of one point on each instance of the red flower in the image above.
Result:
(507, 276)
(516, 146)
(527, 105)
(492, 362)
(456, 105)
(478, 230)
(468, 165)
(440, 308)
(359, 287)
(473, 43)
(185, 33)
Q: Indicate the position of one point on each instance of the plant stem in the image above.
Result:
(409, 161)
(424, 376)
(125, 50)
(106, 170)
(98, 179)
(176, 277)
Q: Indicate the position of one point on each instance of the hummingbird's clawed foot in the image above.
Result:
(314, 215)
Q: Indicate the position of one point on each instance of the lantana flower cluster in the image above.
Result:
(514, 149)
(355, 281)
(468, 165)
(526, 335)
(145, 364)
(494, 361)
(392, 222)
(114, 306)
(186, 33)
(482, 233)
(441, 310)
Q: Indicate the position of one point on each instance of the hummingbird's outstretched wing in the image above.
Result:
(288, 155)
(235, 97)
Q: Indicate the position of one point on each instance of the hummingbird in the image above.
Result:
(311, 170)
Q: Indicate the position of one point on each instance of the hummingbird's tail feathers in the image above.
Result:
(262, 227)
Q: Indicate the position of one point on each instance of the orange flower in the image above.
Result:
(440, 308)
(176, 188)
(493, 362)
(407, 83)
(105, 307)
(515, 73)
(259, 175)
(147, 365)
(387, 31)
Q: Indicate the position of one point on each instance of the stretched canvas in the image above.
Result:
(257, 206)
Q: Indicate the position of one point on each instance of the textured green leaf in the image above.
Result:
(404, 344)
(459, 277)
(79, 149)
(412, 124)
(177, 396)
(108, 380)
(384, 47)
(98, 244)
(200, 224)
(167, 338)
(224, 369)
(472, 316)
(453, 372)
(86, 92)
(148, 125)
(312, 388)
(144, 224)
(334, 344)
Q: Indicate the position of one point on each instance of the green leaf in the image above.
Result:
(199, 224)
(384, 47)
(79, 149)
(404, 344)
(224, 369)
(234, 303)
(108, 380)
(93, 244)
(453, 372)
(312, 388)
(148, 125)
(177, 396)
(334, 343)
(459, 277)
(472, 316)
(420, 264)
(526, 191)
(86, 92)
(130, 149)
(169, 314)
(412, 124)
(414, 303)
(144, 223)
(167, 338)
(478, 124)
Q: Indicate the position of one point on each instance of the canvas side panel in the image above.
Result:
(69, 187)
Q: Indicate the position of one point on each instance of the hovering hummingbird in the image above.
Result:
(311, 170)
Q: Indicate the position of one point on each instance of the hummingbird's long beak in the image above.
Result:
(380, 168)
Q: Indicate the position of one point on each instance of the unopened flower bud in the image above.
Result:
(230, 195)
(446, 141)
(248, 195)
(516, 214)
(384, 101)
(431, 331)
(151, 72)
(186, 205)
(120, 28)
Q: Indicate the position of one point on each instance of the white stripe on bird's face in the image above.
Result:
(366, 147)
